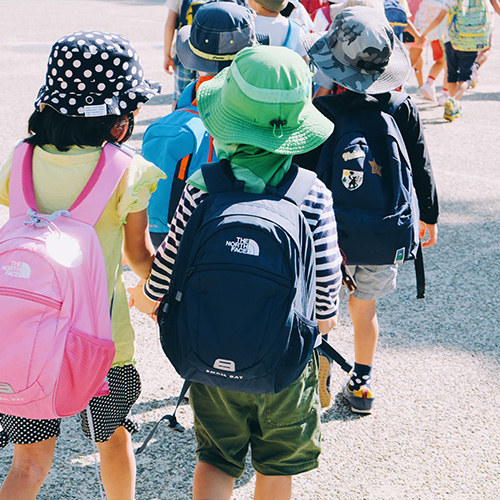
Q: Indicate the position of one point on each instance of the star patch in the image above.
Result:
(376, 169)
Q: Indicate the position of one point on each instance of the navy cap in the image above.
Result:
(219, 31)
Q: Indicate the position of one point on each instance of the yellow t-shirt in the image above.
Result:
(58, 179)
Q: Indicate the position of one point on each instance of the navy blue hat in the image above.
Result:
(219, 31)
(92, 73)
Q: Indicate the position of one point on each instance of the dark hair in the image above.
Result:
(50, 127)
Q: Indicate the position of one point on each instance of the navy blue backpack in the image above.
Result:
(366, 166)
(240, 310)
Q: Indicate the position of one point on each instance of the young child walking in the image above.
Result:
(361, 53)
(178, 143)
(94, 87)
(466, 37)
(259, 113)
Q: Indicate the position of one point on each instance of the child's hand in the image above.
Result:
(140, 301)
(432, 231)
(326, 325)
(169, 65)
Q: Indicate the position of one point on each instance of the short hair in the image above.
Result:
(51, 127)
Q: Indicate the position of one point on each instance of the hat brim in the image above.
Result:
(395, 74)
(313, 130)
(196, 63)
(121, 104)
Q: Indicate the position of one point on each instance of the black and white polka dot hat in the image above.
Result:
(93, 73)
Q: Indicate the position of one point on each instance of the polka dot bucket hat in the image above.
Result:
(93, 73)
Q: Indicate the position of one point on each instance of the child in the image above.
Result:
(460, 61)
(370, 61)
(179, 143)
(426, 13)
(258, 119)
(182, 76)
(94, 87)
(323, 84)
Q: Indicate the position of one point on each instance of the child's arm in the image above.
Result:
(412, 29)
(146, 294)
(431, 230)
(327, 325)
(137, 246)
(170, 26)
(437, 21)
(496, 6)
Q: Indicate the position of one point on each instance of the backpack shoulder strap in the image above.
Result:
(21, 192)
(94, 197)
(292, 35)
(395, 101)
(397, 98)
(295, 185)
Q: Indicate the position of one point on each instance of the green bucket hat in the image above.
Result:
(264, 99)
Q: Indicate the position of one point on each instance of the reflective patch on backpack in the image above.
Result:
(352, 179)
(352, 155)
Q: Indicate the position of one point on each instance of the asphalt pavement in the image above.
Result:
(435, 431)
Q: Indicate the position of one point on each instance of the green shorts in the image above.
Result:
(283, 429)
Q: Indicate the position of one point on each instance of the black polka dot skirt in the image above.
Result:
(108, 413)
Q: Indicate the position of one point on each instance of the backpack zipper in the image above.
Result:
(35, 297)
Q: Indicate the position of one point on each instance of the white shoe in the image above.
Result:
(428, 92)
(445, 95)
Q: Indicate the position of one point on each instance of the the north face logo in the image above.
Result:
(244, 245)
(17, 270)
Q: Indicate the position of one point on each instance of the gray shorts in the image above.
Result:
(373, 282)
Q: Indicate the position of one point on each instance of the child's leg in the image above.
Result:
(364, 319)
(30, 466)
(417, 62)
(483, 56)
(211, 483)
(111, 428)
(273, 487)
(118, 466)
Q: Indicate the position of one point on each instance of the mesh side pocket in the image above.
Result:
(86, 363)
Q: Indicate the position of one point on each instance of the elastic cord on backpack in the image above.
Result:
(172, 420)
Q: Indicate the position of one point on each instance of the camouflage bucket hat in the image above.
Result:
(264, 99)
(361, 52)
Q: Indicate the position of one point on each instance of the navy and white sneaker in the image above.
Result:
(361, 400)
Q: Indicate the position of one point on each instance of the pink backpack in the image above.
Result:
(56, 342)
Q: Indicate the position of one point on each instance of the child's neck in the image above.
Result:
(262, 11)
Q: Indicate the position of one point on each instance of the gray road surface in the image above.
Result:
(435, 433)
